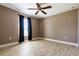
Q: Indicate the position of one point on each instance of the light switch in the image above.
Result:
(65, 37)
(10, 38)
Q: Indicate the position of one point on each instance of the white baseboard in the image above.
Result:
(36, 38)
(64, 42)
(8, 44)
(69, 43)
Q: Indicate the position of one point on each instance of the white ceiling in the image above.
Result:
(56, 8)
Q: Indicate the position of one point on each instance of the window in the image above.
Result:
(25, 27)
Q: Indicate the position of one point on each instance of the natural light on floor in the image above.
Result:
(25, 27)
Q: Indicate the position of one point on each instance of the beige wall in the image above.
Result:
(35, 28)
(78, 29)
(9, 22)
(9, 25)
(60, 27)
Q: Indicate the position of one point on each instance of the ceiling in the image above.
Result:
(56, 8)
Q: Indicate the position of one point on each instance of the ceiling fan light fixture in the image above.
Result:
(39, 8)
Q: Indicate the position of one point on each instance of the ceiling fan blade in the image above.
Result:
(47, 7)
(38, 5)
(32, 9)
(36, 13)
(43, 12)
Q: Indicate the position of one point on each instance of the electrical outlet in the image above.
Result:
(65, 37)
(10, 38)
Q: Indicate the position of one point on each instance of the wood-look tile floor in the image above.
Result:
(39, 48)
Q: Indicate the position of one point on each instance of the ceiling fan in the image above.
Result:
(39, 8)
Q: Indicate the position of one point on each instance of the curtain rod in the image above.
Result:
(25, 16)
